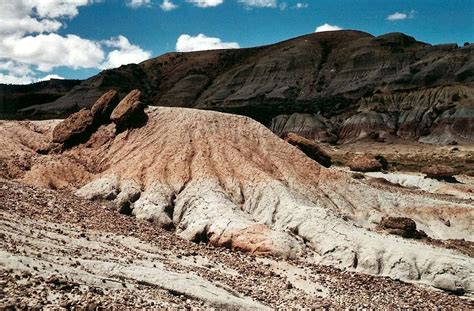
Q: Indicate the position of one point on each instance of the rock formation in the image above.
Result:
(364, 164)
(310, 148)
(103, 107)
(440, 172)
(331, 86)
(129, 111)
(229, 181)
(76, 127)
(401, 226)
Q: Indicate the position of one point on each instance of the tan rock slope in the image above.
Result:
(228, 180)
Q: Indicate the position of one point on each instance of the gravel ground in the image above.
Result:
(60, 251)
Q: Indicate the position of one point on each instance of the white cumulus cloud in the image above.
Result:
(187, 43)
(30, 44)
(137, 3)
(327, 27)
(397, 16)
(206, 3)
(125, 53)
(47, 51)
(49, 77)
(167, 5)
(260, 3)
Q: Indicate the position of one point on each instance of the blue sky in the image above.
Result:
(78, 38)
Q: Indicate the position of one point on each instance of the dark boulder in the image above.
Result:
(76, 127)
(402, 226)
(364, 164)
(103, 107)
(310, 148)
(440, 172)
(129, 112)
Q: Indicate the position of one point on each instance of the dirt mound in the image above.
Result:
(229, 181)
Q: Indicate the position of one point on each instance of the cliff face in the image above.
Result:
(337, 75)
(439, 115)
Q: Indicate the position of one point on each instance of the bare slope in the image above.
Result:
(229, 181)
(333, 75)
(57, 250)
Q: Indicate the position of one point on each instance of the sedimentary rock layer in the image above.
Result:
(228, 180)
(390, 84)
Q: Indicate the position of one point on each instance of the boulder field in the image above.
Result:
(229, 181)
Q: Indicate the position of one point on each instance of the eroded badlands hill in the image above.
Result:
(229, 181)
(388, 87)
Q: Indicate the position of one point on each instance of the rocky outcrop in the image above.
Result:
(103, 107)
(79, 126)
(440, 115)
(129, 111)
(440, 172)
(401, 226)
(364, 164)
(314, 127)
(370, 124)
(76, 127)
(310, 148)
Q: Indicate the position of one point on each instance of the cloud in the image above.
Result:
(29, 44)
(12, 79)
(20, 74)
(301, 5)
(260, 3)
(47, 51)
(167, 5)
(125, 53)
(206, 3)
(397, 16)
(49, 77)
(187, 43)
(327, 27)
(137, 3)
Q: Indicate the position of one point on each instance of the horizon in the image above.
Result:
(41, 40)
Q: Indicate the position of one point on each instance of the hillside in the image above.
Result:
(348, 85)
(228, 181)
(15, 97)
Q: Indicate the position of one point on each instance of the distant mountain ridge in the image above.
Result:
(15, 97)
(329, 77)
